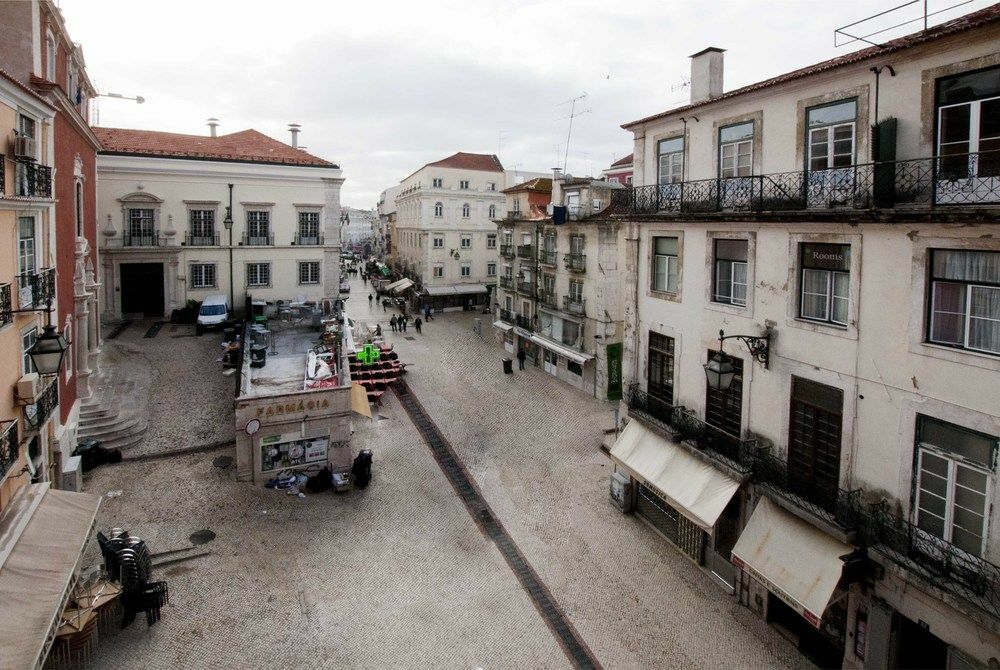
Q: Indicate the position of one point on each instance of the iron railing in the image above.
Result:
(34, 181)
(36, 288)
(526, 288)
(507, 250)
(506, 283)
(6, 307)
(308, 240)
(197, 240)
(839, 506)
(575, 262)
(39, 411)
(574, 306)
(144, 238)
(966, 179)
(525, 322)
(547, 298)
(265, 240)
(526, 251)
(9, 448)
(547, 257)
(507, 316)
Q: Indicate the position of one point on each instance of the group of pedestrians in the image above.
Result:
(399, 324)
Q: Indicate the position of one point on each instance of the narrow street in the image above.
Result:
(400, 574)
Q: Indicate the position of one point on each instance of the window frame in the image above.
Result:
(463, 184)
(199, 286)
(258, 265)
(438, 209)
(30, 333)
(675, 161)
(665, 348)
(437, 182)
(830, 295)
(465, 242)
(491, 240)
(830, 129)
(491, 269)
(676, 265)
(438, 242)
(465, 270)
(733, 264)
(931, 311)
(309, 265)
(466, 210)
(437, 271)
(493, 211)
(736, 144)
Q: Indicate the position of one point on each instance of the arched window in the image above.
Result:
(438, 209)
(493, 211)
(465, 211)
(79, 209)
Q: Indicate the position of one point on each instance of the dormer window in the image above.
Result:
(464, 184)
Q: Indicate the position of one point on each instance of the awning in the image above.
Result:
(39, 569)
(502, 326)
(455, 289)
(798, 562)
(401, 285)
(386, 272)
(694, 488)
(562, 350)
(359, 400)
(396, 283)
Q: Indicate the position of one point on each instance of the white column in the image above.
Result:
(81, 335)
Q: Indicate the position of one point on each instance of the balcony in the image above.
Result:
(507, 316)
(576, 262)
(192, 240)
(735, 454)
(507, 250)
(36, 288)
(33, 181)
(506, 283)
(526, 251)
(576, 306)
(308, 240)
(264, 240)
(959, 180)
(838, 507)
(525, 322)
(548, 298)
(39, 411)
(144, 238)
(6, 307)
(8, 448)
(526, 288)
(547, 257)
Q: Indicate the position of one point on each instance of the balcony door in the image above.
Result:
(724, 409)
(26, 260)
(814, 442)
(660, 373)
(969, 138)
(831, 144)
(551, 362)
(141, 230)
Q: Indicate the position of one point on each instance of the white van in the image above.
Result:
(214, 311)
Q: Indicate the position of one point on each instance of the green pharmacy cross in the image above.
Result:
(368, 355)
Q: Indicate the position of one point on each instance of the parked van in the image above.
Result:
(214, 312)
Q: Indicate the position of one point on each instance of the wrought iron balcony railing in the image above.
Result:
(6, 307)
(33, 180)
(965, 179)
(36, 288)
(507, 316)
(144, 238)
(576, 262)
(525, 322)
(507, 250)
(838, 506)
(263, 240)
(574, 306)
(9, 448)
(308, 240)
(38, 412)
(526, 251)
(547, 257)
(200, 240)
(526, 288)
(506, 283)
(548, 298)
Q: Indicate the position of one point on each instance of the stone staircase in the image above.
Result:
(113, 415)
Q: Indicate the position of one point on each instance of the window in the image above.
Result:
(438, 209)
(965, 299)
(463, 184)
(549, 285)
(491, 241)
(576, 291)
(493, 211)
(140, 226)
(308, 227)
(969, 123)
(466, 270)
(438, 271)
(26, 250)
(309, 272)
(628, 180)
(953, 481)
(736, 150)
(491, 269)
(466, 241)
(437, 182)
(258, 227)
(666, 269)
(671, 160)
(724, 409)
(574, 367)
(78, 207)
(830, 130)
(258, 274)
(202, 275)
(202, 222)
(465, 211)
(814, 441)
(438, 242)
(28, 338)
(660, 373)
(613, 180)
(50, 58)
(491, 186)
(516, 205)
(825, 282)
(730, 272)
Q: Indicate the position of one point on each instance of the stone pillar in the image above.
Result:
(81, 336)
(331, 235)
(94, 322)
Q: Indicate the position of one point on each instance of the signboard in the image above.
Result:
(778, 592)
(278, 452)
(615, 371)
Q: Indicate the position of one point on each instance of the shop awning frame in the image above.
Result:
(502, 326)
(456, 289)
(564, 351)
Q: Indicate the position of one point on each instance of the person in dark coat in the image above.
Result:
(417, 323)
(520, 359)
(402, 320)
(392, 323)
(370, 298)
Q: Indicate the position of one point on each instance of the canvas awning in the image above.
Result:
(395, 284)
(697, 490)
(401, 285)
(456, 289)
(359, 400)
(564, 351)
(798, 562)
(502, 326)
(39, 551)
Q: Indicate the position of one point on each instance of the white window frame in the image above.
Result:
(465, 270)
(670, 165)
(437, 271)
(672, 267)
(954, 462)
(463, 184)
(438, 242)
(257, 268)
(493, 211)
(975, 108)
(196, 281)
(28, 338)
(466, 242)
(491, 241)
(491, 269)
(466, 210)
(309, 266)
(438, 209)
(437, 182)
(734, 266)
(51, 51)
(966, 314)
(736, 170)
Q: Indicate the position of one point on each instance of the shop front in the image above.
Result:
(570, 365)
(455, 297)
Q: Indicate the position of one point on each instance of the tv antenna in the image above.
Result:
(572, 115)
(685, 83)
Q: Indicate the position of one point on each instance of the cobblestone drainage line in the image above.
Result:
(569, 639)
(154, 330)
(118, 330)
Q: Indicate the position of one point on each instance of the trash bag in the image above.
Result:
(361, 470)
(322, 481)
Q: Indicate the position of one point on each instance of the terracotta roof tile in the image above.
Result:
(983, 17)
(465, 161)
(21, 85)
(627, 160)
(246, 146)
(543, 184)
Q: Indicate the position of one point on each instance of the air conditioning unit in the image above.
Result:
(27, 388)
(72, 475)
(24, 148)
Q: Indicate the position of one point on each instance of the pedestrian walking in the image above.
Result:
(378, 330)
(403, 318)
(370, 298)
(416, 323)
(520, 359)
(385, 305)
(392, 323)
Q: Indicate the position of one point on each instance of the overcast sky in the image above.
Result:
(381, 88)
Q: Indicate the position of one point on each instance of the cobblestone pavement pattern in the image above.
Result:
(398, 575)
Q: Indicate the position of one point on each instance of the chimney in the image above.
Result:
(706, 74)
(213, 123)
(294, 128)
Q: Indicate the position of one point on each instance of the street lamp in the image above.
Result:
(720, 372)
(228, 223)
(48, 351)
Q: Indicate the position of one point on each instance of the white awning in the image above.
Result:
(696, 489)
(39, 567)
(400, 282)
(439, 290)
(401, 285)
(502, 326)
(564, 351)
(455, 289)
(798, 562)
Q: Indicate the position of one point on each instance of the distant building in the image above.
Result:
(386, 223)
(620, 171)
(357, 229)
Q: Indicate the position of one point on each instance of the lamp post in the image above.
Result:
(228, 223)
(719, 372)
(47, 352)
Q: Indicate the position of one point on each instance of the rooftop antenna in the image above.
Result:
(572, 115)
(685, 83)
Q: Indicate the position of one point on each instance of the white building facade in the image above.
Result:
(858, 413)
(164, 240)
(357, 230)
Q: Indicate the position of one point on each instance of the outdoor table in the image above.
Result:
(74, 619)
(97, 594)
